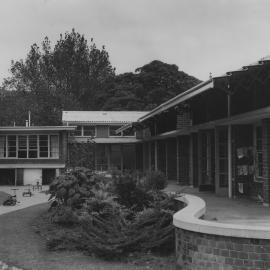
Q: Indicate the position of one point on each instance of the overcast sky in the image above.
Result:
(200, 36)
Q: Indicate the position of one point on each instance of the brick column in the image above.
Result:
(266, 160)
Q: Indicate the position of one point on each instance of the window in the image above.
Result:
(259, 152)
(33, 146)
(113, 131)
(2, 146)
(22, 146)
(129, 132)
(29, 146)
(78, 131)
(89, 131)
(43, 146)
(12, 146)
(54, 146)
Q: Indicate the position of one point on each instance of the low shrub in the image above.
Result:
(129, 193)
(72, 188)
(156, 180)
(64, 215)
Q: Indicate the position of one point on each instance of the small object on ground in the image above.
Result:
(38, 186)
(27, 192)
(10, 201)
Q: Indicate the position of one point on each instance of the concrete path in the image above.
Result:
(225, 210)
(23, 202)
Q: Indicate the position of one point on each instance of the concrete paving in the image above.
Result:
(225, 210)
(23, 202)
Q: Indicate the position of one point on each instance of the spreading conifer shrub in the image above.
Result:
(115, 216)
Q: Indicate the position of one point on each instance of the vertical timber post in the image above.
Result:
(16, 176)
(229, 150)
(122, 159)
(191, 164)
(156, 156)
(149, 156)
(166, 158)
(177, 160)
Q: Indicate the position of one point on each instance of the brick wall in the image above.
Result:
(199, 251)
(183, 119)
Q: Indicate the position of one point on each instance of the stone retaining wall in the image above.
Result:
(200, 251)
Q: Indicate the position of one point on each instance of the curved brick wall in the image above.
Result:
(199, 251)
(209, 245)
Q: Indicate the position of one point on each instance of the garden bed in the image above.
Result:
(126, 218)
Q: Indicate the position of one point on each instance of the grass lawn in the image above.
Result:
(21, 246)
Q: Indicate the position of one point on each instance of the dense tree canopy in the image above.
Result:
(150, 85)
(76, 75)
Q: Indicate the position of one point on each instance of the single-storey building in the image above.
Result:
(215, 136)
(31, 154)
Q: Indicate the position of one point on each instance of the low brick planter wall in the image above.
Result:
(211, 245)
(199, 251)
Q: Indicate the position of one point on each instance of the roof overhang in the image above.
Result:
(200, 88)
(240, 119)
(96, 122)
(109, 140)
(32, 166)
(38, 128)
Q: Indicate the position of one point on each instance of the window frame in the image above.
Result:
(87, 136)
(28, 149)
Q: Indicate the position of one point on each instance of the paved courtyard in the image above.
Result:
(225, 210)
(23, 202)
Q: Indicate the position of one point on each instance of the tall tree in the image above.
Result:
(66, 77)
(150, 85)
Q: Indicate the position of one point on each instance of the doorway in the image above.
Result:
(48, 176)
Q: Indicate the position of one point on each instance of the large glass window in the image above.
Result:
(54, 146)
(2, 146)
(33, 146)
(89, 131)
(22, 146)
(43, 146)
(29, 146)
(12, 146)
(78, 131)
